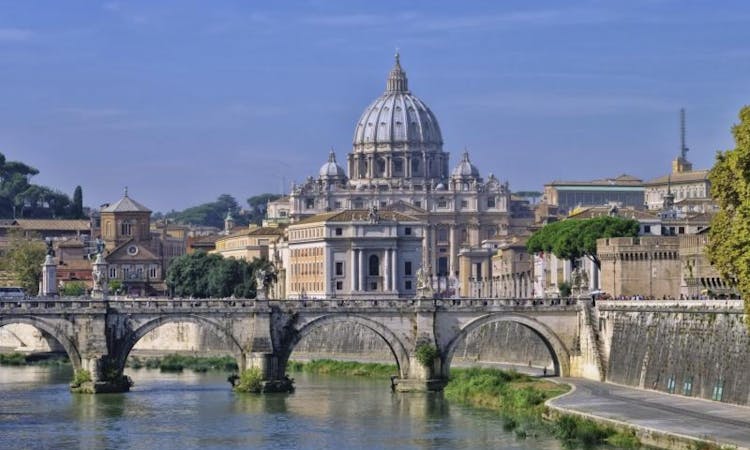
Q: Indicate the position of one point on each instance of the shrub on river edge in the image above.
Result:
(177, 363)
(20, 359)
(351, 368)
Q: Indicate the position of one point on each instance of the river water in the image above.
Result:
(192, 410)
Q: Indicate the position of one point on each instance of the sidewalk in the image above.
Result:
(723, 423)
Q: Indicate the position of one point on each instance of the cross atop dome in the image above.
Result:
(397, 81)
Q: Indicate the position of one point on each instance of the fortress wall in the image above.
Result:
(701, 349)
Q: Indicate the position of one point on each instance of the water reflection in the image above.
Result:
(189, 410)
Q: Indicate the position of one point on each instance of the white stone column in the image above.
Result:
(394, 272)
(353, 269)
(452, 250)
(362, 270)
(386, 271)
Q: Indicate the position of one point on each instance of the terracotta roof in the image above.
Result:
(126, 204)
(54, 224)
(356, 215)
(680, 177)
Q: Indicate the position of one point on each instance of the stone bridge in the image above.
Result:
(98, 335)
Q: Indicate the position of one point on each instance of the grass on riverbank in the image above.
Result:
(350, 368)
(520, 401)
(177, 363)
(21, 359)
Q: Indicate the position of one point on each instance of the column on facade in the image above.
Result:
(432, 261)
(453, 250)
(331, 272)
(386, 270)
(394, 272)
(354, 269)
(388, 163)
(362, 270)
(407, 165)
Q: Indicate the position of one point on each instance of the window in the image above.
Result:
(309, 203)
(339, 268)
(442, 203)
(407, 268)
(113, 271)
(687, 387)
(339, 285)
(126, 229)
(407, 231)
(152, 271)
(491, 202)
(647, 228)
(339, 231)
(442, 235)
(407, 285)
(718, 390)
(417, 203)
(681, 230)
(374, 266)
(464, 204)
(337, 205)
(398, 166)
(442, 266)
(383, 204)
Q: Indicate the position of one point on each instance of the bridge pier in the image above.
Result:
(274, 380)
(100, 374)
(421, 379)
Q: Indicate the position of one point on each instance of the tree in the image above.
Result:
(76, 211)
(201, 275)
(23, 260)
(258, 205)
(210, 214)
(576, 238)
(729, 236)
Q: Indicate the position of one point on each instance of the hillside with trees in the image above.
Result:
(21, 199)
(213, 213)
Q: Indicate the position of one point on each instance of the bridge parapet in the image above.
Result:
(673, 306)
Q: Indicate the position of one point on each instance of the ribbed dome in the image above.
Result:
(465, 168)
(398, 118)
(330, 169)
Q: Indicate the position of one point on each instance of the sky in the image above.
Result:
(183, 100)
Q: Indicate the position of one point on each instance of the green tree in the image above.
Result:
(258, 205)
(23, 260)
(576, 238)
(73, 289)
(201, 275)
(729, 236)
(76, 211)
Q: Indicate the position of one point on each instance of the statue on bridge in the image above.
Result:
(424, 283)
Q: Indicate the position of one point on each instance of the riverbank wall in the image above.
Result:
(691, 348)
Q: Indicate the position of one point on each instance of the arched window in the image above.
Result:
(374, 265)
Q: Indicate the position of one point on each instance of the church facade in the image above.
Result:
(397, 163)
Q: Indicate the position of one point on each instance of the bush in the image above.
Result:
(426, 354)
(73, 289)
(251, 380)
(564, 288)
(80, 377)
(12, 359)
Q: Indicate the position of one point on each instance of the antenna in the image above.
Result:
(683, 148)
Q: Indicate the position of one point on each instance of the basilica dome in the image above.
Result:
(465, 168)
(398, 119)
(331, 169)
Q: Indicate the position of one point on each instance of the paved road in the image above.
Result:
(721, 422)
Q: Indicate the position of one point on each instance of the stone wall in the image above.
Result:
(698, 348)
(501, 342)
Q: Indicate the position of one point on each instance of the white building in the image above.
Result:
(353, 253)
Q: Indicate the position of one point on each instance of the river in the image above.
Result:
(198, 410)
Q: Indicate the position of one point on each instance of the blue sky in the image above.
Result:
(184, 100)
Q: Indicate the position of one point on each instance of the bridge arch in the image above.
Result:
(132, 338)
(395, 345)
(559, 353)
(53, 330)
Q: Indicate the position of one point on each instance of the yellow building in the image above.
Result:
(248, 243)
